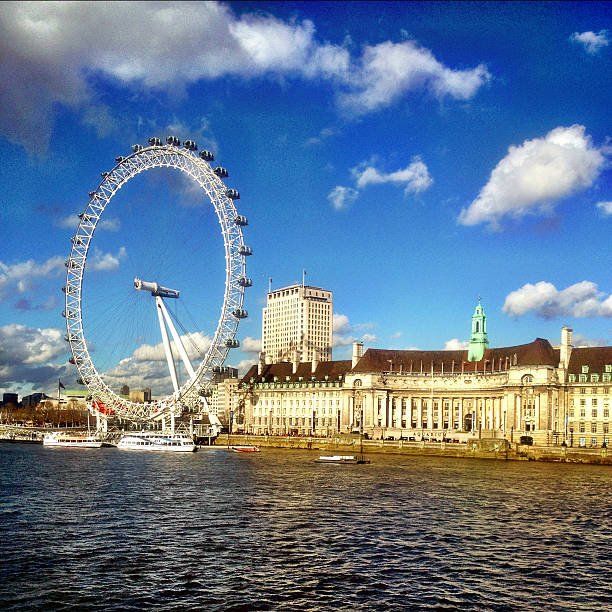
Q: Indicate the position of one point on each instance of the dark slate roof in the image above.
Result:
(596, 357)
(332, 369)
(538, 352)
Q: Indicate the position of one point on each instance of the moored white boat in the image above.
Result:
(73, 440)
(341, 459)
(157, 441)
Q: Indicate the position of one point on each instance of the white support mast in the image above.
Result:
(165, 324)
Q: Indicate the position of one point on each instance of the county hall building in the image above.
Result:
(552, 394)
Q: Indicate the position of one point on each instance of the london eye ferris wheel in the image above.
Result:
(190, 368)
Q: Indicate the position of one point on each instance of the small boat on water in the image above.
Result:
(341, 459)
(157, 441)
(73, 440)
(247, 448)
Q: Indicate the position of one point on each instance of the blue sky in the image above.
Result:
(410, 156)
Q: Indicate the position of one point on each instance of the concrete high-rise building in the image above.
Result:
(297, 322)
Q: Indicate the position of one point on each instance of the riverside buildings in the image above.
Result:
(298, 319)
(551, 394)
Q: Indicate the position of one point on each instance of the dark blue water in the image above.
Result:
(110, 530)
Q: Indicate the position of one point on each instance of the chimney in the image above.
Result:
(315, 361)
(295, 361)
(566, 347)
(260, 363)
(357, 352)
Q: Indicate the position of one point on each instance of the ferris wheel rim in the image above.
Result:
(126, 168)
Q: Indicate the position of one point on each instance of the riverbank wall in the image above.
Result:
(498, 449)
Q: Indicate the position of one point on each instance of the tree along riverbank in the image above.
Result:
(473, 449)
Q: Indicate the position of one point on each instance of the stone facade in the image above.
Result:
(298, 319)
(551, 394)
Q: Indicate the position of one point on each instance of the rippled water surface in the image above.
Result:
(105, 529)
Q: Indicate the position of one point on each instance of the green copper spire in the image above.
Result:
(479, 342)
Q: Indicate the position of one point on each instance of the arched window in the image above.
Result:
(528, 378)
(477, 325)
(357, 382)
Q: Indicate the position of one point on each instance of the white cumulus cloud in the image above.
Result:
(415, 176)
(592, 42)
(19, 276)
(535, 174)
(28, 358)
(106, 261)
(456, 345)
(250, 345)
(111, 224)
(579, 300)
(388, 70)
(57, 49)
(605, 207)
(341, 197)
(344, 332)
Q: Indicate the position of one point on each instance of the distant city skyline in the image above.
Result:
(409, 156)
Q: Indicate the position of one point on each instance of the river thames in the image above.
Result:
(103, 529)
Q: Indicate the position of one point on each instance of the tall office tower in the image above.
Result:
(297, 322)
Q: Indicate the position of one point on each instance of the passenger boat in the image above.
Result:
(74, 440)
(341, 459)
(157, 441)
(244, 449)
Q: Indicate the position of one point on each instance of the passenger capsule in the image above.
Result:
(190, 145)
(221, 172)
(119, 159)
(232, 343)
(92, 194)
(232, 194)
(244, 281)
(155, 142)
(136, 148)
(174, 141)
(241, 221)
(77, 240)
(245, 250)
(240, 313)
(104, 174)
(207, 156)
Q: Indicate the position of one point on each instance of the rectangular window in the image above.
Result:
(571, 413)
(606, 413)
(608, 367)
(593, 427)
(572, 378)
(582, 442)
(581, 428)
(594, 413)
(606, 427)
(593, 441)
(582, 378)
(585, 369)
(594, 377)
